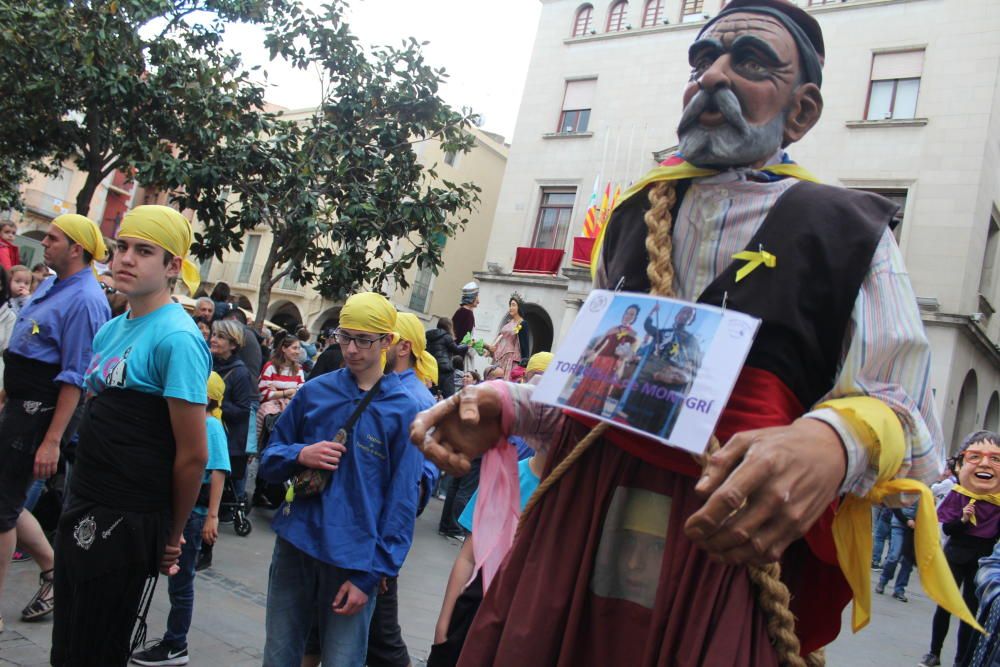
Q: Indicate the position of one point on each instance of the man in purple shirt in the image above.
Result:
(50, 348)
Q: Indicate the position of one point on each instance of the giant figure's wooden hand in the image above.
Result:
(765, 489)
(457, 430)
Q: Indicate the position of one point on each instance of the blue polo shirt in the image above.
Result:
(58, 324)
(363, 520)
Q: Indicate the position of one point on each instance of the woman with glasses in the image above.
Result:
(970, 517)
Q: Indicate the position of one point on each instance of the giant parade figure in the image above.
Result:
(633, 553)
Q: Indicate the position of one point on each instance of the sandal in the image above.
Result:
(44, 601)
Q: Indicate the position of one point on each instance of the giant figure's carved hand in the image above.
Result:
(765, 489)
(457, 430)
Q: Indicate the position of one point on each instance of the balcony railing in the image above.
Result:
(42, 203)
(538, 261)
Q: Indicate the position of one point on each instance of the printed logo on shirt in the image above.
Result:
(369, 443)
(114, 373)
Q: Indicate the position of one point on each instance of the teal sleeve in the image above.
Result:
(183, 362)
(218, 452)
(465, 520)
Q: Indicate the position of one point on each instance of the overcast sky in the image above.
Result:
(484, 45)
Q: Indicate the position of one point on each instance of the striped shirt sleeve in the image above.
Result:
(887, 356)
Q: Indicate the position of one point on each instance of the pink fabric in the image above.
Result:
(499, 504)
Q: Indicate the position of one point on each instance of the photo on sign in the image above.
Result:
(639, 367)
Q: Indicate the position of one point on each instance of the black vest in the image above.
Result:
(823, 237)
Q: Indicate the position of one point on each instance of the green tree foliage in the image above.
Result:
(342, 191)
(110, 83)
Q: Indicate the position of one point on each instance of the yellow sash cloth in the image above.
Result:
(992, 498)
(675, 168)
(852, 526)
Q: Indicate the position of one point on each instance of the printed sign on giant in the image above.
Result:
(661, 367)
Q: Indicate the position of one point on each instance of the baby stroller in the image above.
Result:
(265, 494)
(235, 509)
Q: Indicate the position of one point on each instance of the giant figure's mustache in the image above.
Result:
(722, 100)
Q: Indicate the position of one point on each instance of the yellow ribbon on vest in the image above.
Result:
(753, 260)
(852, 526)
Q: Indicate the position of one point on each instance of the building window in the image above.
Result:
(205, 267)
(554, 214)
(692, 10)
(989, 260)
(584, 20)
(577, 101)
(653, 13)
(616, 17)
(898, 197)
(249, 257)
(450, 157)
(421, 292)
(895, 83)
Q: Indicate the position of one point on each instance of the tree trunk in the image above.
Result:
(264, 293)
(86, 193)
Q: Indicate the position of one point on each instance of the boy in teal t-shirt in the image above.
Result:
(203, 524)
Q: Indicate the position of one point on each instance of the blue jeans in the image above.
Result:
(181, 585)
(896, 556)
(34, 493)
(300, 589)
(883, 520)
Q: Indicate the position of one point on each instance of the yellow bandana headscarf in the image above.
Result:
(168, 229)
(368, 311)
(409, 329)
(84, 231)
(538, 362)
(216, 390)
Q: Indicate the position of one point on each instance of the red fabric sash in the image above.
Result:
(819, 590)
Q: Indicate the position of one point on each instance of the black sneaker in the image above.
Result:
(899, 595)
(204, 562)
(930, 660)
(159, 653)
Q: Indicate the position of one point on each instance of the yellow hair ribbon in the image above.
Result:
(852, 526)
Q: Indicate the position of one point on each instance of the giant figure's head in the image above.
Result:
(979, 462)
(756, 71)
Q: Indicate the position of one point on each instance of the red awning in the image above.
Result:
(543, 261)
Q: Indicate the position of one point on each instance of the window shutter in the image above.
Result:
(901, 65)
(579, 95)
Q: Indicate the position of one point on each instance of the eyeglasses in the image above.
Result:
(362, 343)
(975, 458)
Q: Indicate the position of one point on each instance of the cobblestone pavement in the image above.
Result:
(228, 628)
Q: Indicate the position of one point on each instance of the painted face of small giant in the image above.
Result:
(980, 469)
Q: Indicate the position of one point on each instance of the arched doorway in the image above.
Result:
(285, 314)
(992, 420)
(540, 330)
(965, 413)
(327, 320)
